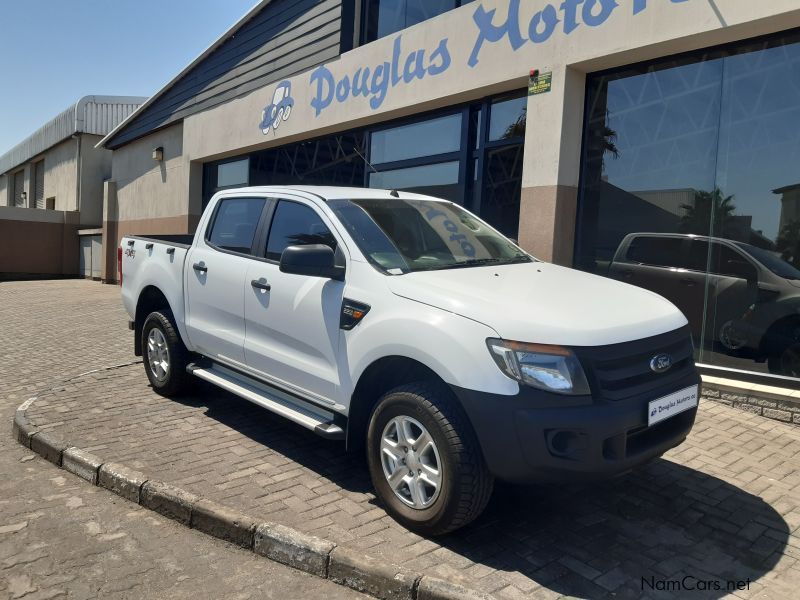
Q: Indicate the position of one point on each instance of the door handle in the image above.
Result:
(261, 285)
(200, 268)
(688, 282)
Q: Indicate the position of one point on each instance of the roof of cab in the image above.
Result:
(333, 192)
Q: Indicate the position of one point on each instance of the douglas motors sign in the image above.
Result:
(373, 83)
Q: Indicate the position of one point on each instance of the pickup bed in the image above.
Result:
(408, 327)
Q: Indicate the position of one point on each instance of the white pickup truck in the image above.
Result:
(405, 324)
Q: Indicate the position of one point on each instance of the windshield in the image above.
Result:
(402, 236)
(772, 261)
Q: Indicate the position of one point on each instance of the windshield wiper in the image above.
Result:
(476, 262)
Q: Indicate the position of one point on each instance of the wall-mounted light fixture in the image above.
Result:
(158, 153)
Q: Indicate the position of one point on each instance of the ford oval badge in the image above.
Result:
(660, 363)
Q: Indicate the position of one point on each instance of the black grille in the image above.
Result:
(619, 371)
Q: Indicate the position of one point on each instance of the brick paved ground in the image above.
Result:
(724, 506)
(59, 536)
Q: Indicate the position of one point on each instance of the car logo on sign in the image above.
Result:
(280, 108)
(660, 363)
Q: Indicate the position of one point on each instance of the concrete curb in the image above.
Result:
(271, 540)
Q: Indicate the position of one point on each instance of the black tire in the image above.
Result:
(466, 483)
(175, 380)
(784, 356)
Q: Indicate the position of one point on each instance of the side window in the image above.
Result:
(235, 223)
(296, 224)
(697, 257)
(656, 251)
(726, 261)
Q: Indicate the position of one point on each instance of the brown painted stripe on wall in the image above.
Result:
(33, 247)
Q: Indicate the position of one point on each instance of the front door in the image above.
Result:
(292, 321)
(216, 277)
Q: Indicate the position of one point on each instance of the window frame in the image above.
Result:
(266, 210)
(301, 201)
(472, 155)
(681, 242)
(716, 269)
(364, 14)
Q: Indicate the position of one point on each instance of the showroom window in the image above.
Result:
(471, 155)
(400, 162)
(700, 152)
(385, 17)
(233, 174)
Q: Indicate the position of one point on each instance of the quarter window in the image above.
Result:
(296, 224)
(235, 223)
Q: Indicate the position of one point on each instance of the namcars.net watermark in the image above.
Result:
(690, 583)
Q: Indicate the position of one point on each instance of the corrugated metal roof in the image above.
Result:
(91, 114)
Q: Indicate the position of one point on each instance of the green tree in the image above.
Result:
(788, 242)
(610, 142)
(517, 128)
(710, 214)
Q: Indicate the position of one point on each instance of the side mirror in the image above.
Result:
(313, 260)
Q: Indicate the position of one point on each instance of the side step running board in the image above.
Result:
(274, 400)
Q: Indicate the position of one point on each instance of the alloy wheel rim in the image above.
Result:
(157, 354)
(411, 462)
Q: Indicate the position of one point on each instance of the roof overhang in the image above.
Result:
(216, 44)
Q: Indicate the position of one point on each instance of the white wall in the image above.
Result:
(95, 168)
(60, 174)
(147, 189)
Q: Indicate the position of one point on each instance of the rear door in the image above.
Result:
(292, 321)
(732, 287)
(216, 277)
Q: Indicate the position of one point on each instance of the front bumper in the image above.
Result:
(538, 436)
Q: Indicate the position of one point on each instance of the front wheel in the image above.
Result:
(165, 356)
(425, 461)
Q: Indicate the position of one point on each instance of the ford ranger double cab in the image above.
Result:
(408, 327)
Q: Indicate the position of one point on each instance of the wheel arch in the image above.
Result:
(382, 375)
(150, 299)
(773, 338)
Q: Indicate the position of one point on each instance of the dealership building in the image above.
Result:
(569, 125)
(51, 192)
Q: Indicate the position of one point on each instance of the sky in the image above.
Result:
(60, 50)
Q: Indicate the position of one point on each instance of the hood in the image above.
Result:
(544, 303)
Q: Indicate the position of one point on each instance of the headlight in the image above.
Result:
(552, 368)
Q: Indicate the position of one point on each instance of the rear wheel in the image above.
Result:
(165, 356)
(425, 461)
(784, 359)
